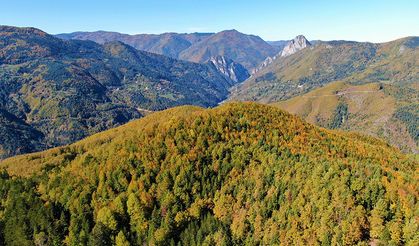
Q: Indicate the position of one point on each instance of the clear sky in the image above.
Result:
(361, 20)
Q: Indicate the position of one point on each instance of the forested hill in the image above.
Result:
(54, 92)
(241, 173)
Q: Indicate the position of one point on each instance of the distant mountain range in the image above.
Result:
(54, 92)
(393, 62)
(376, 86)
(280, 43)
(248, 50)
(207, 171)
(168, 44)
(287, 48)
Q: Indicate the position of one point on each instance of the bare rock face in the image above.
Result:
(297, 44)
(231, 69)
(265, 63)
(293, 46)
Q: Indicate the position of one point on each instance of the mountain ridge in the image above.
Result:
(248, 50)
(286, 48)
(376, 109)
(313, 83)
(329, 61)
(70, 89)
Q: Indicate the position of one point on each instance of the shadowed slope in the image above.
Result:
(68, 90)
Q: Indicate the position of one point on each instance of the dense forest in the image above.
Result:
(340, 116)
(410, 116)
(238, 174)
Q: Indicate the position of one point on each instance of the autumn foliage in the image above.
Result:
(239, 174)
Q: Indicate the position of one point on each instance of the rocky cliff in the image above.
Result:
(231, 69)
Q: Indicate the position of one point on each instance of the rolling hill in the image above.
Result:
(383, 110)
(55, 92)
(241, 173)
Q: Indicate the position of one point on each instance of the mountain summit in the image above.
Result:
(248, 50)
(298, 43)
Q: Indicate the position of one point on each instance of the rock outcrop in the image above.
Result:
(293, 46)
(231, 69)
(298, 43)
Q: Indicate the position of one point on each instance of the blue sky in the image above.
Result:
(361, 20)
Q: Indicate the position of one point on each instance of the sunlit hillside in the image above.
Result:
(241, 173)
(384, 110)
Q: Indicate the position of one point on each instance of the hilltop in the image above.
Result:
(241, 173)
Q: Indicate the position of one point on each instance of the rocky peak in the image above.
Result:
(297, 44)
(264, 64)
(231, 69)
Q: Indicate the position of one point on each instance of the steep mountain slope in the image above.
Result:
(388, 111)
(395, 62)
(232, 70)
(293, 46)
(290, 47)
(70, 89)
(248, 50)
(17, 136)
(168, 44)
(234, 175)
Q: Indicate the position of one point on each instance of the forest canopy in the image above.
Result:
(238, 174)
